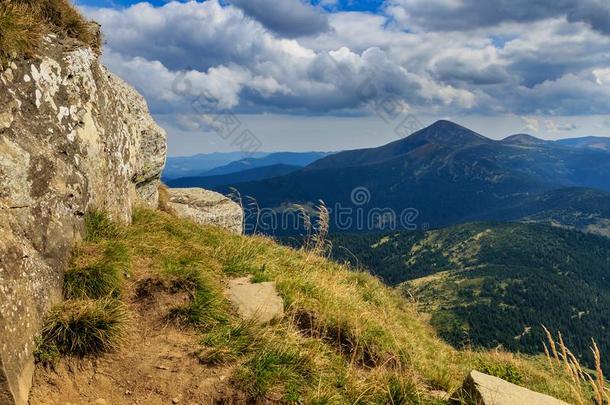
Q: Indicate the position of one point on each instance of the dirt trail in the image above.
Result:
(155, 364)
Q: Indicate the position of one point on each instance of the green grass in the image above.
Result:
(82, 327)
(206, 307)
(277, 371)
(503, 370)
(94, 275)
(354, 339)
(24, 22)
(346, 338)
(228, 343)
(99, 226)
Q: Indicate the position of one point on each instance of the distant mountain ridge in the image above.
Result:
(523, 139)
(446, 172)
(592, 142)
(257, 173)
(185, 166)
(442, 132)
(279, 158)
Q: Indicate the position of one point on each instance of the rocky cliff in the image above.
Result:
(73, 137)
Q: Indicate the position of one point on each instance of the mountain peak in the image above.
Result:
(523, 139)
(448, 132)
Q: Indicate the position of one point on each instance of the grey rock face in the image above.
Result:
(72, 137)
(207, 208)
(484, 389)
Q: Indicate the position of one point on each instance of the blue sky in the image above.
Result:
(339, 74)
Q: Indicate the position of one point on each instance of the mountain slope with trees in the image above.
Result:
(449, 175)
(495, 284)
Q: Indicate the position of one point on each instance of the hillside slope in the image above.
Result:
(490, 284)
(345, 337)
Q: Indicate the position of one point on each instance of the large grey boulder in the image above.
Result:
(483, 389)
(72, 137)
(258, 302)
(206, 208)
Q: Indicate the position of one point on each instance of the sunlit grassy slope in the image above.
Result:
(346, 338)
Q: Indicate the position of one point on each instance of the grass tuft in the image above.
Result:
(97, 277)
(504, 370)
(206, 307)
(400, 390)
(165, 199)
(99, 226)
(228, 343)
(24, 22)
(83, 327)
(277, 371)
(20, 31)
(46, 353)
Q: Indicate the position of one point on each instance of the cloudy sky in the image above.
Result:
(342, 74)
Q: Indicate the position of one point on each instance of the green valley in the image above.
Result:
(495, 284)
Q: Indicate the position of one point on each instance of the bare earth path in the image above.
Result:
(155, 364)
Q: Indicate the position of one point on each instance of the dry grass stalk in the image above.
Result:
(551, 343)
(320, 243)
(580, 377)
(165, 199)
(235, 195)
(577, 395)
(253, 206)
(600, 388)
(303, 213)
(564, 356)
(548, 356)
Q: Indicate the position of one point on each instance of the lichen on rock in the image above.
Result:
(73, 137)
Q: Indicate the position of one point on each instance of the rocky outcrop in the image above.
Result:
(258, 302)
(206, 208)
(483, 389)
(73, 137)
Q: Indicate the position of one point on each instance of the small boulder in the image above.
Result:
(483, 389)
(259, 302)
(206, 208)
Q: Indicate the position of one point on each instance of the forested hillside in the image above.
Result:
(495, 284)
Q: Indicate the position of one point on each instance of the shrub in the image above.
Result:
(83, 327)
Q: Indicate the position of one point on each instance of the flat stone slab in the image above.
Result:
(206, 208)
(484, 389)
(259, 302)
